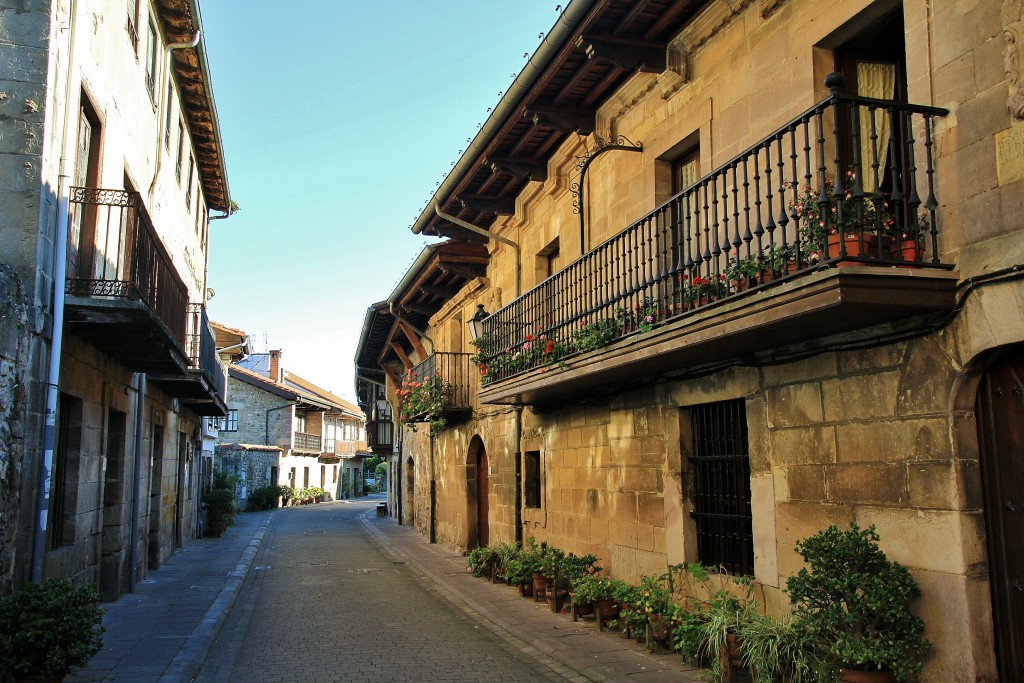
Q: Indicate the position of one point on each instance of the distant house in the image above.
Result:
(282, 429)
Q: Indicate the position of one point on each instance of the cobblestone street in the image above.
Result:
(324, 603)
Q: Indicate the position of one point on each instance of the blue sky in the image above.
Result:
(339, 118)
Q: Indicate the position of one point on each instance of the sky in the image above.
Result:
(339, 120)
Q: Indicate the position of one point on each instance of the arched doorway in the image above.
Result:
(478, 488)
(1000, 419)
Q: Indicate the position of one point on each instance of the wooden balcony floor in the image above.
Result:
(839, 304)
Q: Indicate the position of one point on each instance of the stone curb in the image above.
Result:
(190, 657)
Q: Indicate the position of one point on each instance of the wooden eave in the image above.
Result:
(198, 108)
(570, 84)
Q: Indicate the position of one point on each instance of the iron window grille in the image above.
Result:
(720, 467)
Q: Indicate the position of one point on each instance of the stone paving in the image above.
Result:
(300, 595)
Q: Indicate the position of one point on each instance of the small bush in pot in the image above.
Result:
(49, 629)
(854, 603)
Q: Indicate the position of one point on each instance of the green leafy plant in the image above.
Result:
(48, 629)
(480, 561)
(522, 566)
(550, 561)
(594, 585)
(590, 336)
(854, 603)
(264, 497)
(220, 501)
(534, 352)
(778, 650)
(287, 493)
(573, 567)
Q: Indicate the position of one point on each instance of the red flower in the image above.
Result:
(549, 346)
(529, 337)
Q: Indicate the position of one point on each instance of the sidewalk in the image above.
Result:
(162, 632)
(598, 656)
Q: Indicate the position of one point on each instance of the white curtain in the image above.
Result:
(876, 80)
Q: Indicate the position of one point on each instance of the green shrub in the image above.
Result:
(854, 603)
(264, 498)
(47, 630)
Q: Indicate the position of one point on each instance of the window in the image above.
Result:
(685, 170)
(229, 423)
(62, 494)
(133, 25)
(151, 53)
(305, 477)
(181, 151)
(720, 475)
(531, 473)
(169, 117)
(334, 476)
(188, 185)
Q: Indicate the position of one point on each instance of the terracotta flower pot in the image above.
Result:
(873, 676)
(539, 583)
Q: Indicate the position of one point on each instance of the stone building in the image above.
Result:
(743, 270)
(283, 429)
(111, 164)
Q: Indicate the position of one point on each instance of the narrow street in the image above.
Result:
(324, 603)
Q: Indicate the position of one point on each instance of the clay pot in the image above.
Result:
(873, 676)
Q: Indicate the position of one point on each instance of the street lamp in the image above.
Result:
(476, 323)
(382, 408)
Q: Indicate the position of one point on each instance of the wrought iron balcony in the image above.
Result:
(124, 295)
(306, 442)
(203, 387)
(380, 436)
(436, 388)
(748, 262)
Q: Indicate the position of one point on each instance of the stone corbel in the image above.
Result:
(769, 7)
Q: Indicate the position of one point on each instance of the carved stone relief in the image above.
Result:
(1012, 56)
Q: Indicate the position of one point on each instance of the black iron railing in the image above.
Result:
(840, 184)
(441, 381)
(202, 349)
(114, 252)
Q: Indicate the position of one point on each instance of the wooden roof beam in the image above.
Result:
(525, 169)
(501, 206)
(466, 270)
(631, 55)
(411, 335)
(558, 118)
(400, 352)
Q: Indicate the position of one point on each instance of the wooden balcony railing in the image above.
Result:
(306, 442)
(851, 181)
(114, 253)
(380, 435)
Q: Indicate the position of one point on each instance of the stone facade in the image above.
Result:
(60, 70)
(879, 433)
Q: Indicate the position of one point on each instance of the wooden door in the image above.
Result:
(1000, 415)
(482, 496)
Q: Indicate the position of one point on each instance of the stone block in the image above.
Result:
(927, 379)
(651, 509)
(932, 540)
(821, 366)
(802, 445)
(642, 479)
(762, 500)
(978, 119)
(23, 63)
(860, 397)
(932, 485)
(794, 405)
(958, 27)
(795, 521)
(804, 482)
(875, 483)
(956, 609)
(721, 386)
(893, 441)
(870, 360)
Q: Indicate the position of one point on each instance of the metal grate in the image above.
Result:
(721, 475)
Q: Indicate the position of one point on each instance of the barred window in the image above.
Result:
(721, 485)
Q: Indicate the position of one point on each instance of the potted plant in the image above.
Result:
(777, 650)
(854, 604)
(287, 494)
(522, 567)
(504, 554)
(742, 273)
(480, 561)
(48, 629)
(550, 566)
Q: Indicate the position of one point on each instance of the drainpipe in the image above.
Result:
(517, 427)
(60, 262)
(433, 493)
(140, 407)
(161, 111)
